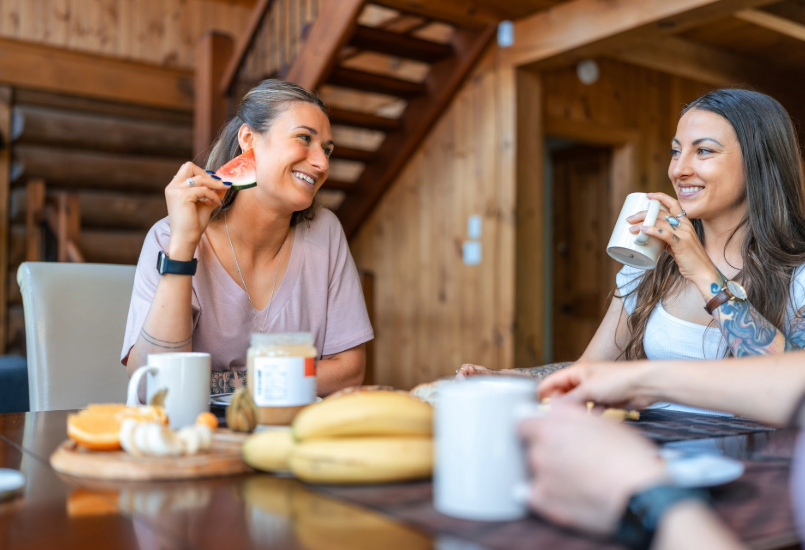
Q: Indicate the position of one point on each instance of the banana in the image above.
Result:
(362, 459)
(269, 450)
(365, 414)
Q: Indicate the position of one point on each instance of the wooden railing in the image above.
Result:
(227, 69)
(61, 215)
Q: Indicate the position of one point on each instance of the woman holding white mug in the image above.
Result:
(731, 280)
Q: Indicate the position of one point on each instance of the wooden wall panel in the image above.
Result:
(626, 99)
(164, 32)
(433, 312)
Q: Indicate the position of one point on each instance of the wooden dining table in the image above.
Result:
(265, 511)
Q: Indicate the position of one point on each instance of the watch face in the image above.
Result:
(736, 290)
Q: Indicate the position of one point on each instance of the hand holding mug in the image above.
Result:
(677, 231)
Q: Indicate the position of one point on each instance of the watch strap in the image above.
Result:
(167, 266)
(645, 509)
(717, 301)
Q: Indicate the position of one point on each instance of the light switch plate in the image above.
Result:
(471, 252)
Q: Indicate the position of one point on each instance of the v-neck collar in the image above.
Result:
(233, 288)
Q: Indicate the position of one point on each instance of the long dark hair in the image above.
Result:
(774, 245)
(258, 109)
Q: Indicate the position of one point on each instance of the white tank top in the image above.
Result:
(668, 337)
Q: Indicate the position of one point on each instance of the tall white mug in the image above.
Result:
(187, 378)
(480, 468)
(639, 250)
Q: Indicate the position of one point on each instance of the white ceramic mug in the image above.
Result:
(480, 465)
(639, 250)
(187, 377)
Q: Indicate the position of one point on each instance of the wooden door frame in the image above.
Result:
(624, 144)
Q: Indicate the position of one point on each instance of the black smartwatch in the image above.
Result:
(645, 509)
(174, 267)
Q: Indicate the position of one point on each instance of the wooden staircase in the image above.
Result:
(386, 75)
(336, 38)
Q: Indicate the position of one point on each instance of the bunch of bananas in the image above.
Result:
(361, 437)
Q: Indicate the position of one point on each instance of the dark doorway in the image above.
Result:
(580, 235)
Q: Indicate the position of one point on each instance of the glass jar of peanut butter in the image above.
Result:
(281, 375)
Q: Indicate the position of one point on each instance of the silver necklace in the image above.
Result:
(264, 326)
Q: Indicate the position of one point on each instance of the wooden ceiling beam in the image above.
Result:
(690, 60)
(708, 65)
(772, 22)
(585, 28)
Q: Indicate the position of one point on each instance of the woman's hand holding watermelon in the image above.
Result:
(190, 208)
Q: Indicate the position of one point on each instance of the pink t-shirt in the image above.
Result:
(320, 293)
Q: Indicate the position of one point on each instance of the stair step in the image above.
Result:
(346, 117)
(369, 82)
(399, 45)
(351, 153)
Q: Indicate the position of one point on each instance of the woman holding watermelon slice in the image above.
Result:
(230, 262)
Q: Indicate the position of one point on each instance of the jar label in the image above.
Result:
(284, 381)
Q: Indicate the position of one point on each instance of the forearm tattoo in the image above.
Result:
(747, 332)
(165, 344)
(538, 373)
(227, 381)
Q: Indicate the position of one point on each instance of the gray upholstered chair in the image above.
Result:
(75, 319)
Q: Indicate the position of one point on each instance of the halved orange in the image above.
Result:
(99, 432)
(98, 426)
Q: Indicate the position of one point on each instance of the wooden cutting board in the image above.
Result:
(224, 458)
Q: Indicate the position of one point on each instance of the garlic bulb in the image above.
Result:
(241, 415)
(153, 439)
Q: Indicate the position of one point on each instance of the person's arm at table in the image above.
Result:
(693, 526)
(333, 372)
(586, 469)
(169, 326)
(610, 338)
(764, 388)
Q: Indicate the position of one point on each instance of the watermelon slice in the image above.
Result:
(241, 171)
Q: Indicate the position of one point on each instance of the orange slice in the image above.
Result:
(99, 432)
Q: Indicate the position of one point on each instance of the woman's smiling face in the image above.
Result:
(293, 157)
(707, 166)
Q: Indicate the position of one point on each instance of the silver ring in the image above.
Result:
(202, 199)
(190, 182)
(672, 221)
(682, 215)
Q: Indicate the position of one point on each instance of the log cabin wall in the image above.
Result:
(162, 32)
(433, 312)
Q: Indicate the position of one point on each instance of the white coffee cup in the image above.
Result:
(480, 465)
(638, 250)
(187, 378)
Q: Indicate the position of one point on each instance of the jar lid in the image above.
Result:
(282, 339)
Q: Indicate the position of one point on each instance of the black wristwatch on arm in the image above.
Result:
(645, 509)
(174, 267)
